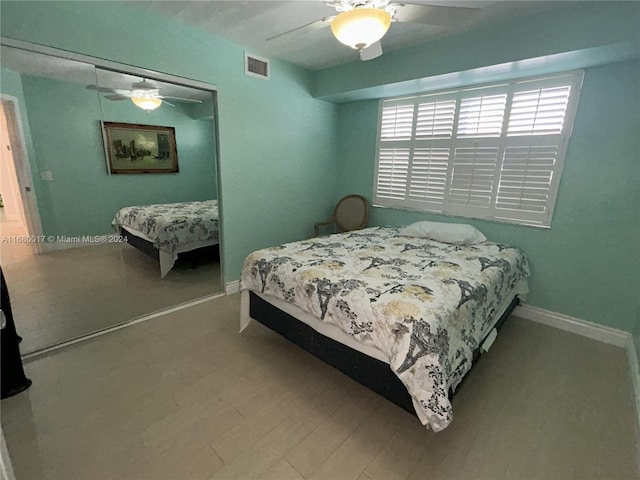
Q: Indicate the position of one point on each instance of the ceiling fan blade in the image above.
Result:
(435, 14)
(190, 100)
(309, 26)
(116, 97)
(100, 89)
(372, 51)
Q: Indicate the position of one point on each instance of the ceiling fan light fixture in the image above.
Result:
(147, 103)
(360, 27)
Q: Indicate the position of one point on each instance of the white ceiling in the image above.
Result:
(251, 23)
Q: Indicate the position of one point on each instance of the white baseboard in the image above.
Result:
(594, 331)
(601, 333)
(232, 287)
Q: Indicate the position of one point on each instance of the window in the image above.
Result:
(493, 152)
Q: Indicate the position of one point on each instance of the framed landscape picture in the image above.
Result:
(135, 148)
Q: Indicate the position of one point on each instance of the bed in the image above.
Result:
(406, 316)
(169, 229)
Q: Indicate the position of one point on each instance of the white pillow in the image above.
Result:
(457, 233)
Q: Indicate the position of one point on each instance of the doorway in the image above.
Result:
(19, 238)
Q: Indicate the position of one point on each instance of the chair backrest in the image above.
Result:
(351, 213)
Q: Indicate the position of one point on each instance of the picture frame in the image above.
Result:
(133, 148)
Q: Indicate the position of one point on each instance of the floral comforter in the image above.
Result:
(170, 225)
(424, 304)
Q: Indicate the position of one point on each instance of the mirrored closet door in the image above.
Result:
(112, 212)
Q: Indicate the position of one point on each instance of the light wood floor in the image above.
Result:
(62, 295)
(186, 396)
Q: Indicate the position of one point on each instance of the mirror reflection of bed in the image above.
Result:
(170, 231)
(86, 277)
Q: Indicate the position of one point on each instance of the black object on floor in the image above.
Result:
(12, 377)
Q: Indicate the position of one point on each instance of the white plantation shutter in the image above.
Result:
(429, 176)
(525, 181)
(393, 171)
(491, 152)
(397, 123)
(538, 112)
(481, 116)
(473, 179)
(435, 119)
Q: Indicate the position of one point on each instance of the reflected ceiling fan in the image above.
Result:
(360, 24)
(144, 94)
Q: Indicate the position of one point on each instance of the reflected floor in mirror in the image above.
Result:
(65, 294)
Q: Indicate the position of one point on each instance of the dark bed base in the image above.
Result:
(194, 257)
(368, 371)
(141, 244)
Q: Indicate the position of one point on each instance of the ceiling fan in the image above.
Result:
(360, 24)
(144, 94)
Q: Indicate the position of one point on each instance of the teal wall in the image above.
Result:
(64, 120)
(586, 265)
(287, 156)
(277, 143)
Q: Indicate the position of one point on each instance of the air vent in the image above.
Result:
(256, 66)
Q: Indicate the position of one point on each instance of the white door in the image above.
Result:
(20, 215)
(12, 210)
